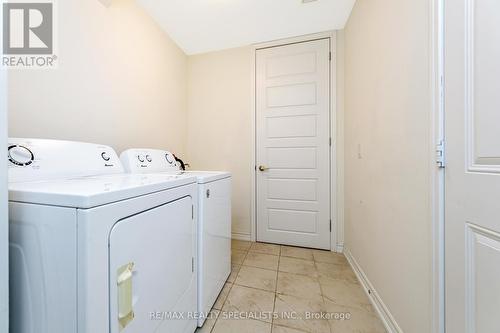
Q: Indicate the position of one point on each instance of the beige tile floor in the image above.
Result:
(283, 289)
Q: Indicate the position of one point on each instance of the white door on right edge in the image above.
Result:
(472, 221)
(292, 144)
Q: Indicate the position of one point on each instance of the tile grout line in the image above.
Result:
(267, 269)
(232, 284)
(324, 299)
(241, 265)
(221, 307)
(280, 255)
(259, 289)
(322, 293)
(215, 322)
(276, 290)
(319, 282)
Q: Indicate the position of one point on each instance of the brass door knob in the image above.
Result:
(262, 168)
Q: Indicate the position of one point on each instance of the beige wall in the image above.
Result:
(121, 81)
(387, 175)
(220, 122)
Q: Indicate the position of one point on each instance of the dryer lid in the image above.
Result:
(93, 191)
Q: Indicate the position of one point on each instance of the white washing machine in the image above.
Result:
(93, 249)
(214, 219)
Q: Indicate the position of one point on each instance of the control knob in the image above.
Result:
(105, 156)
(20, 155)
(170, 158)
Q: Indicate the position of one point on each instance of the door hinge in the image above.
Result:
(330, 141)
(441, 154)
(330, 225)
(330, 56)
(192, 212)
(192, 264)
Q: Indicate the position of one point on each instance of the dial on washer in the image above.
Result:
(169, 158)
(20, 155)
(105, 156)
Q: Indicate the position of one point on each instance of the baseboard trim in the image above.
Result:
(340, 248)
(385, 315)
(240, 236)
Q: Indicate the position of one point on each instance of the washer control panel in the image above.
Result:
(149, 161)
(39, 159)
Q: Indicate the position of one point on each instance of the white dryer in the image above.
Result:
(93, 249)
(214, 219)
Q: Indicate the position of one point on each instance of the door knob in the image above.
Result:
(262, 168)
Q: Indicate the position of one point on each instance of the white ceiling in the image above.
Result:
(199, 26)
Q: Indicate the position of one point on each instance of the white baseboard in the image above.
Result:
(385, 315)
(240, 236)
(339, 248)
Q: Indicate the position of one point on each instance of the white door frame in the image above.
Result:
(336, 241)
(4, 221)
(437, 126)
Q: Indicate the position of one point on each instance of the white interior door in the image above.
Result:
(472, 106)
(292, 144)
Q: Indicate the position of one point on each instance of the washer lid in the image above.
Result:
(204, 177)
(145, 160)
(88, 192)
